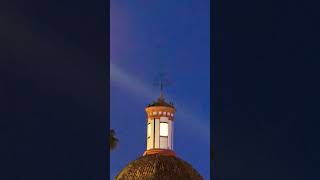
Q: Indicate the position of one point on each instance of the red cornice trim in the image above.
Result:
(165, 152)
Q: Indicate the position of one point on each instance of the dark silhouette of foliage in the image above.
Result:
(113, 141)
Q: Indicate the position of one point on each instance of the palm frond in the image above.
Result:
(113, 141)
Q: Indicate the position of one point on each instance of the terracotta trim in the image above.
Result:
(150, 110)
(160, 108)
(165, 152)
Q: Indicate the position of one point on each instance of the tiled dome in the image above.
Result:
(158, 167)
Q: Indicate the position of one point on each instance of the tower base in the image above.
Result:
(165, 152)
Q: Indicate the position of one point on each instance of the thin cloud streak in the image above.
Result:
(136, 86)
(119, 76)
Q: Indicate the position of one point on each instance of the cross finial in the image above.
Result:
(162, 81)
(161, 89)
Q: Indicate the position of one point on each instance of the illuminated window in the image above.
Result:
(164, 129)
(160, 112)
(164, 113)
(154, 113)
(149, 130)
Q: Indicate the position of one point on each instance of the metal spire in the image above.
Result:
(161, 90)
(162, 81)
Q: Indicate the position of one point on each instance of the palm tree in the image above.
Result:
(113, 141)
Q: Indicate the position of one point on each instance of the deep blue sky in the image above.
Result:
(147, 37)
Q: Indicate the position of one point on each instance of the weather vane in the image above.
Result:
(161, 80)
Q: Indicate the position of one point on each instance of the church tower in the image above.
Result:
(160, 120)
(159, 161)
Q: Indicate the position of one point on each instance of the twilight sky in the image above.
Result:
(53, 94)
(147, 37)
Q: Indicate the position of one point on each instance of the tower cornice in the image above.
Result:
(160, 111)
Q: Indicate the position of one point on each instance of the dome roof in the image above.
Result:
(161, 102)
(158, 167)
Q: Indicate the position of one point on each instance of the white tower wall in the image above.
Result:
(159, 136)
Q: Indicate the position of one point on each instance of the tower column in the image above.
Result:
(160, 119)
